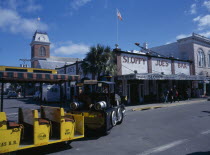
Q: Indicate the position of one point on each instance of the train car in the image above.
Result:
(37, 127)
(100, 105)
(23, 69)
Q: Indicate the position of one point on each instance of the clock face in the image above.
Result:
(41, 38)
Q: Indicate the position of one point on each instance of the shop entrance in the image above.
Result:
(141, 93)
(136, 93)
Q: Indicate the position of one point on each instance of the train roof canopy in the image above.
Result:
(9, 76)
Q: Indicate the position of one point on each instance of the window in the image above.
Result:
(42, 51)
(209, 59)
(201, 58)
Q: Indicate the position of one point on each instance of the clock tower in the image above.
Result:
(40, 48)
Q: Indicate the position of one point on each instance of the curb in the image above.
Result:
(164, 106)
(147, 108)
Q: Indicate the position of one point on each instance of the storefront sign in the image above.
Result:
(182, 67)
(131, 63)
(134, 60)
(161, 65)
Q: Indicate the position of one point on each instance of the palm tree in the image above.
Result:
(99, 60)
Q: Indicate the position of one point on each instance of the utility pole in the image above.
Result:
(24, 62)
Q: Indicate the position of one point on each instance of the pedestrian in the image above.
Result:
(177, 95)
(174, 95)
(166, 92)
(170, 95)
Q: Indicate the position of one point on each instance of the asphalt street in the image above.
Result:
(176, 130)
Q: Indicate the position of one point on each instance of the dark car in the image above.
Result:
(12, 94)
(37, 95)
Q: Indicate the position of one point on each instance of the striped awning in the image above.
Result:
(8, 76)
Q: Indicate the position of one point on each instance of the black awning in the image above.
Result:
(155, 76)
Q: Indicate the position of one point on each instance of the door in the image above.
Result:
(141, 93)
(128, 93)
(134, 93)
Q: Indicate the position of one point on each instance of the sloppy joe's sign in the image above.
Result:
(161, 65)
(132, 62)
(182, 67)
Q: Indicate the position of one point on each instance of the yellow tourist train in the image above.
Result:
(37, 127)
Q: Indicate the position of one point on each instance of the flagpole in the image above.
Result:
(117, 28)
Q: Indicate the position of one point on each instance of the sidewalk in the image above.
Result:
(162, 105)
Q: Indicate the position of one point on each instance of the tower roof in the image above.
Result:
(40, 38)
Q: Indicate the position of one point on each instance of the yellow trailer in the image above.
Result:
(53, 126)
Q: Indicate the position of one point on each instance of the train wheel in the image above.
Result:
(119, 116)
(114, 118)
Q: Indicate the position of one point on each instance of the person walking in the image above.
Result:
(170, 95)
(166, 92)
(177, 95)
(174, 95)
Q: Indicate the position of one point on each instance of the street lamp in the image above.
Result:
(138, 44)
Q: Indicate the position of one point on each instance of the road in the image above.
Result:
(177, 130)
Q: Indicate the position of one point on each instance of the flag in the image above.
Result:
(119, 15)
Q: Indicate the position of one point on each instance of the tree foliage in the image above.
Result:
(100, 60)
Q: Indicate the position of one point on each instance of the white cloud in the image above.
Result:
(207, 4)
(182, 36)
(169, 42)
(197, 19)
(70, 48)
(11, 21)
(32, 7)
(202, 21)
(23, 6)
(76, 4)
(206, 34)
(193, 9)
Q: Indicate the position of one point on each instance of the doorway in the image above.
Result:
(141, 93)
(134, 93)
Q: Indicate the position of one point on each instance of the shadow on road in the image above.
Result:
(53, 148)
(41, 150)
(200, 153)
(206, 111)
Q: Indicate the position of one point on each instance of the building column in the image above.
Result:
(204, 88)
(172, 67)
(149, 64)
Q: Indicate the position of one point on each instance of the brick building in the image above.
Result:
(40, 53)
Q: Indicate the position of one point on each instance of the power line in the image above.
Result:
(149, 50)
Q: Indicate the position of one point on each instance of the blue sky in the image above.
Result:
(75, 25)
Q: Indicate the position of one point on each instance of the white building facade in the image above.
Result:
(195, 48)
(145, 77)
